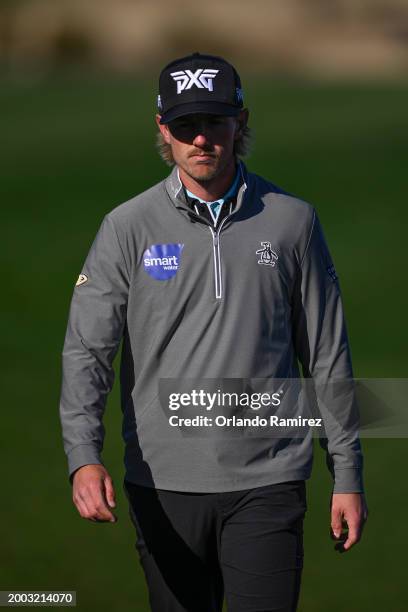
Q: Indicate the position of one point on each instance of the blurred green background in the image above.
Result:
(75, 147)
(328, 96)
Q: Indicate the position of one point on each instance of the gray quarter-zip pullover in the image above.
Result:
(245, 300)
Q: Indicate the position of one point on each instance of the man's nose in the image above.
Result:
(200, 138)
(201, 133)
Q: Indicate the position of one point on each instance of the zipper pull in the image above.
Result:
(215, 239)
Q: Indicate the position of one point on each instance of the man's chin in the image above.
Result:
(204, 171)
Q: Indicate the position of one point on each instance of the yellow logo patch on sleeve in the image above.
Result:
(82, 278)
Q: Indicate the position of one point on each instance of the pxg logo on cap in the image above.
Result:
(201, 78)
(199, 84)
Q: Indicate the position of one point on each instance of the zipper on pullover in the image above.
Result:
(216, 249)
(217, 259)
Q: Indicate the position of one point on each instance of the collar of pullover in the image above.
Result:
(178, 195)
(213, 208)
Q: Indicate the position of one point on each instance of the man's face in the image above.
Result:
(202, 145)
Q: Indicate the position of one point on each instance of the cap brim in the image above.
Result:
(191, 108)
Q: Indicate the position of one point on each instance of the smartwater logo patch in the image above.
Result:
(162, 261)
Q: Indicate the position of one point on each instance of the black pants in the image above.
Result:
(195, 546)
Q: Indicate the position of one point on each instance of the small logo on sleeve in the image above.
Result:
(267, 255)
(162, 261)
(82, 278)
(332, 273)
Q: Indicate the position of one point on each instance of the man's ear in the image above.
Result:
(163, 127)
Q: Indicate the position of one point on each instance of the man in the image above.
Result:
(214, 279)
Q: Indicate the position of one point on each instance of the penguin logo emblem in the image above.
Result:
(267, 255)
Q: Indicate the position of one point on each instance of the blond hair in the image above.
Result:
(242, 146)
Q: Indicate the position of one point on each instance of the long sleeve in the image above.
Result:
(95, 328)
(323, 349)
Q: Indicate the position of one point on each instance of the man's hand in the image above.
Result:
(93, 493)
(348, 514)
